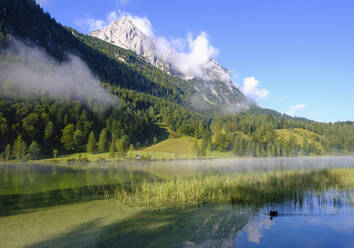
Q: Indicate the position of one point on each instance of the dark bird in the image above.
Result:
(273, 214)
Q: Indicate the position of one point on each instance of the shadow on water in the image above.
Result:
(17, 204)
(210, 225)
(27, 188)
(214, 224)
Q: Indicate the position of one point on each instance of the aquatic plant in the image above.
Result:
(257, 188)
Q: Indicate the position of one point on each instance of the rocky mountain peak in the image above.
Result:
(124, 33)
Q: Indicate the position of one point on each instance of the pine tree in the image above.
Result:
(34, 150)
(68, 137)
(19, 149)
(203, 149)
(91, 144)
(258, 150)
(305, 147)
(78, 139)
(131, 148)
(200, 130)
(49, 131)
(112, 148)
(122, 146)
(55, 153)
(8, 152)
(196, 149)
(103, 141)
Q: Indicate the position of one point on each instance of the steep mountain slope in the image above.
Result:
(146, 94)
(26, 21)
(124, 33)
(213, 87)
(149, 98)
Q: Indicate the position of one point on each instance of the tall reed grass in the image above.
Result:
(254, 188)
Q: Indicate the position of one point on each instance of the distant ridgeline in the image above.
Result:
(151, 102)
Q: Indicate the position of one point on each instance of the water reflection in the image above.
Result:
(24, 187)
(256, 227)
(322, 220)
(313, 218)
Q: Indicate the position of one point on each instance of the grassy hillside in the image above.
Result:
(182, 145)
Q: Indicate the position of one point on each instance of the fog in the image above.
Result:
(29, 70)
(177, 167)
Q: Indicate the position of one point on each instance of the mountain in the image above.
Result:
(124, 33)
(154, 104)
(214, 87)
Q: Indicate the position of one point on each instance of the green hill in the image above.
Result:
(182, 145)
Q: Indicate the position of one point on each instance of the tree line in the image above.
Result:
(44, 127)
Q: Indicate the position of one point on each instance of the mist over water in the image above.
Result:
(45, 197)
(29, 70)
(244, 164)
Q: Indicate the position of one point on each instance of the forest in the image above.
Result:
(43, 126)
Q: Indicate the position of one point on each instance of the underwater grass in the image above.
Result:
(255, 188)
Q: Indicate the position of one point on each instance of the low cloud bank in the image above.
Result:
(30, 70)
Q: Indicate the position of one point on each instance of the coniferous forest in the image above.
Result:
(42, 126)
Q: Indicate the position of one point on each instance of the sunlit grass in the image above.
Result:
(183, 145)
(237, 188)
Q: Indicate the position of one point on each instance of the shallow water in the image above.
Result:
(67, 206)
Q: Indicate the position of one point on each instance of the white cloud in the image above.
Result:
(112, 16)
(256, 227)
(190, 56)
(90, 24)
(142, 23)
(250, 88)
(293, 109)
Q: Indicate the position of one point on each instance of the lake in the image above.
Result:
(283, 202)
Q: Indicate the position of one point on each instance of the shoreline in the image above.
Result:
(64, 161)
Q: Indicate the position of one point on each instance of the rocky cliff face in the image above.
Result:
(215, 88)
(124, 33)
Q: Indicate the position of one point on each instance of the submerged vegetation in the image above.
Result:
(154, 204)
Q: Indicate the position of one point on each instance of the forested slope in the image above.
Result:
(45, 126)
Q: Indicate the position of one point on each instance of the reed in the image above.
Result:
(257, 188)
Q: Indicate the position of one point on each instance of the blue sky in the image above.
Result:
(300, 52)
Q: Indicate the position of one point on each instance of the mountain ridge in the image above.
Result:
(153, 105)
(123, 33)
